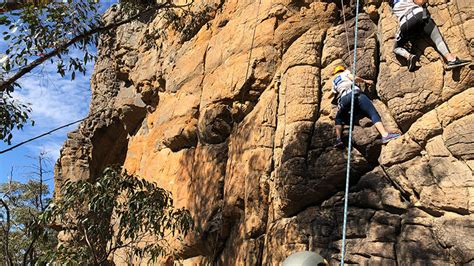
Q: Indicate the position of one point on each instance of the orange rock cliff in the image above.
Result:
(233, 115)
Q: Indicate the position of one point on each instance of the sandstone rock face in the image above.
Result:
(240, 129)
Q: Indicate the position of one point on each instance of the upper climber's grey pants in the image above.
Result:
(415, 25)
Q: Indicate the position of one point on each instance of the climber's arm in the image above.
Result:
(361, 80)
(366, 81)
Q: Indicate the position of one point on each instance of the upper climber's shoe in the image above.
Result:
(390, 137)
(457, 63)
(411, 63)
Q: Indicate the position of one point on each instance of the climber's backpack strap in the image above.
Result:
(426, 15)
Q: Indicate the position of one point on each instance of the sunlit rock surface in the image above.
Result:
(242, 135)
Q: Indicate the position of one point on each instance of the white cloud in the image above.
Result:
(54, 100)
(51, 148)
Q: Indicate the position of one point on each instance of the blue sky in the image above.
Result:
(55, 101)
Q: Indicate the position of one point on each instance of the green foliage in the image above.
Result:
(25, 234)
(35, 31)
(115, 212)
(13, 114)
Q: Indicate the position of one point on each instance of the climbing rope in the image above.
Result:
(461, 25)
(252, 43)
(351, 124)
(347, 32)
(246, 196)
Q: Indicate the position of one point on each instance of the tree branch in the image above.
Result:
(4, 85)
(7, 234)
(40, 162)
(28, 250)
(10, 6)
(91, 247)
(116, 248)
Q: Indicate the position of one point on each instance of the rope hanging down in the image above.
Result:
(252, 42)
(351, 124)
(347, 32)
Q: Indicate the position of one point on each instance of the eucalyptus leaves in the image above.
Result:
(116, 212)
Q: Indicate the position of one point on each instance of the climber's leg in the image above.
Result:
(344, 108)
(368, 108)
(381, 129)
(433, 32)
(338, 142)
(400, 50)
(399, 47)
(406, 30)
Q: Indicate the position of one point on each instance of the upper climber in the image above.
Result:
(342, 88)
(414, 19)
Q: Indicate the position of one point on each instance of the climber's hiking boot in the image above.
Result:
(390, 137)
(338, 144)
(411, 63)
(457, 63)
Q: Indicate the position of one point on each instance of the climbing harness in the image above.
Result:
(351, 123)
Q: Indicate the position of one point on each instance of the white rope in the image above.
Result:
(348, 167)
(253, 41)
(347, 32)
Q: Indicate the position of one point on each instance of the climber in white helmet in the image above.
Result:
(342, 88)
(414, 19)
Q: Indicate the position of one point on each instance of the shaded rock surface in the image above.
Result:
(242, 134)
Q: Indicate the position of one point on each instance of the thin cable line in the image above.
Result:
(40, 136)
(49, 132)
